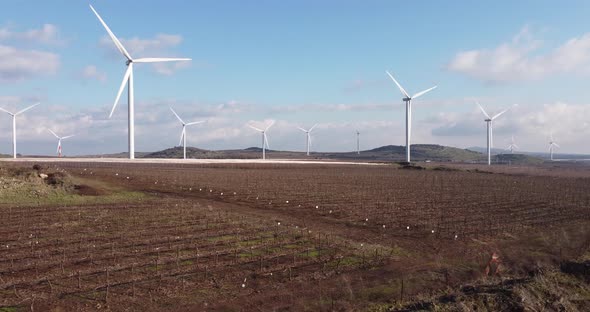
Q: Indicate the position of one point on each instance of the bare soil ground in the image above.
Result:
(292, 237)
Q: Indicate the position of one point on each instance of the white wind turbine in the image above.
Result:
(14, 125)
(408, 99)
(489, 120)
(512, 146)
(183, 133)
(59, 139)
(264, 138)
(128, 79)
(552, 145)
(308, 136)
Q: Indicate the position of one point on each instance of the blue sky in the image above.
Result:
(299, 63)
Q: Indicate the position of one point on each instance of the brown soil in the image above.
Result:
(206, 231)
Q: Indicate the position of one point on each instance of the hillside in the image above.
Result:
(420, 152)
(541, 155)
(193, 152)
(518, 159)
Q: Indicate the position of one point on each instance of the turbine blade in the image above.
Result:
(113, 37)
(58, 145)
(255, 128)
(271, 123)
(483, 111)
(398, 85)
(515, 146)
(309, 138)
(312, 127)
(556, 145)
(266, 140)
(159, 59)
(125, 79)
(175, 114)
(500, 113)
(55, 135)
(195, 122)
(302, 129)
(423, 92)
(26, 109)
(2, 109)
(67, 137)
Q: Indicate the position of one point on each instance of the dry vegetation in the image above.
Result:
(300, 237)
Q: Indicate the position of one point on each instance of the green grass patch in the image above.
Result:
(222, 238)
(310, 254)
(186, 262)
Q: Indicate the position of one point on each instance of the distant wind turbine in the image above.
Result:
(59, 139)
(128, 79)
(183, 133)
(489, 120)
(308, 137)
(552, 145)
(512, 146)
(264, 137)
(14, 125)
(408, 99)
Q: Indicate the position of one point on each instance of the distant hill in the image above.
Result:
(542, 155)
(114, 155)
(518, 159)
(193, 152)
(420, 152)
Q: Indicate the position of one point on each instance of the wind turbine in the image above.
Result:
(183, 133)
(264, 138)
(14, 125)
(358, 145)
(489, 120)
(59, 139)
(128, 79)
(308, 136)
(552, 145)
(512, 146)
(408, 99)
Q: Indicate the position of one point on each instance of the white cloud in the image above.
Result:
(530, 124)
(19, 64)
(47, 34)
(522, 59)
(90, 72)
(226, 128)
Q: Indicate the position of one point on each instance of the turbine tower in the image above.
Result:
(14, 125)
(59, 139)
(308, 137)
(489, 121)
(512, 146)
(128, 79)
(183, 133)
(264, 138)
(408, 99)
(358, 145)
(552, 145)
